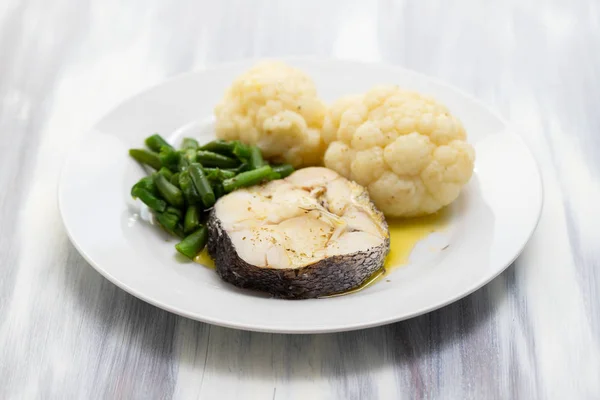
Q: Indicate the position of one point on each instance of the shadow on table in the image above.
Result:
(413, 349)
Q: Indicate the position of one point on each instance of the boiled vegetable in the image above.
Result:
(189, 180)
(202, 185)
(248, 178)
(210, 159)
(156, 142)
(194, 243)
(146, 157)
(168, 191)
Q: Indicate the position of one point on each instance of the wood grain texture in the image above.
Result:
(67, 333)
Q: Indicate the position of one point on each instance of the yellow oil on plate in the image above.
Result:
(204, 259)
(404, 236)
(406, 233)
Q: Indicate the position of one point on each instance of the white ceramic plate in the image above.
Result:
(491, 221)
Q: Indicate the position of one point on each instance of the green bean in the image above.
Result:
(169, 192)
(175, 179)
(149, 199)
(283, 170)
(178, 231)
(273, 176)
(241, 151)
(189, 143)
(146, 157)
(210, 159)
(256, 159)
(187, 157)
(191, 155)
(218, 190)
(166, 172)
(248, 178)
(175, 211)
(242, 168)
(169, 158)
(183, 164)
(226, 174)
(191, 220)
(218, 175)
(212, 174)
(219, 146)
(187, 187)
(227, 170)
(202, 185)
(193, 244)
(145, 183)
(168, 221)
(156, 142)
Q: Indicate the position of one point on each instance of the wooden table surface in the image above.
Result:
(67, 333)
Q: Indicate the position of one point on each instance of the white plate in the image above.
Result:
(491, 221)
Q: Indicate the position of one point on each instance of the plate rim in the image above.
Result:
(341, 327)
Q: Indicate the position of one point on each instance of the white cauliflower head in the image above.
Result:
(275, 107)
(406, 148)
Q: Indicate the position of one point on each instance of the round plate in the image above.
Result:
(490, 222)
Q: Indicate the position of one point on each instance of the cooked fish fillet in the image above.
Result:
(312, 234)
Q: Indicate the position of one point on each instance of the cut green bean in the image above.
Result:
(256, 159)
(178, 231)
(191, 155)
(186, 158)
(192, 219)
(226, 174)
(145, 183)
(168, 221)
(193, 244)
(149, 199)
(156, 142)
(227, 171)
(212, 174)
(166, 172)
(202, 185)
(210, 159)
(219, 146)
(187, 187)
(146, 157)
(169, 192)
(189, 143)
(175, 179)
(175, 211)
(242, 168)
(241, 151)
(218, 190)
(248, 178)
(283, 170)
(183, 164)
(273, 176)
(218, 175)
(169, 158)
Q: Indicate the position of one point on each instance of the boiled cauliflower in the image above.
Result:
(275, 107)
(406, 148)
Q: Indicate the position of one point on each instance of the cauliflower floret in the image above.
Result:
(275, 107)
(406, 148)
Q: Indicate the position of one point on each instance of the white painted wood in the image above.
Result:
(67, 333)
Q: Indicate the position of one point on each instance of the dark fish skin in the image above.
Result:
(332, 275)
